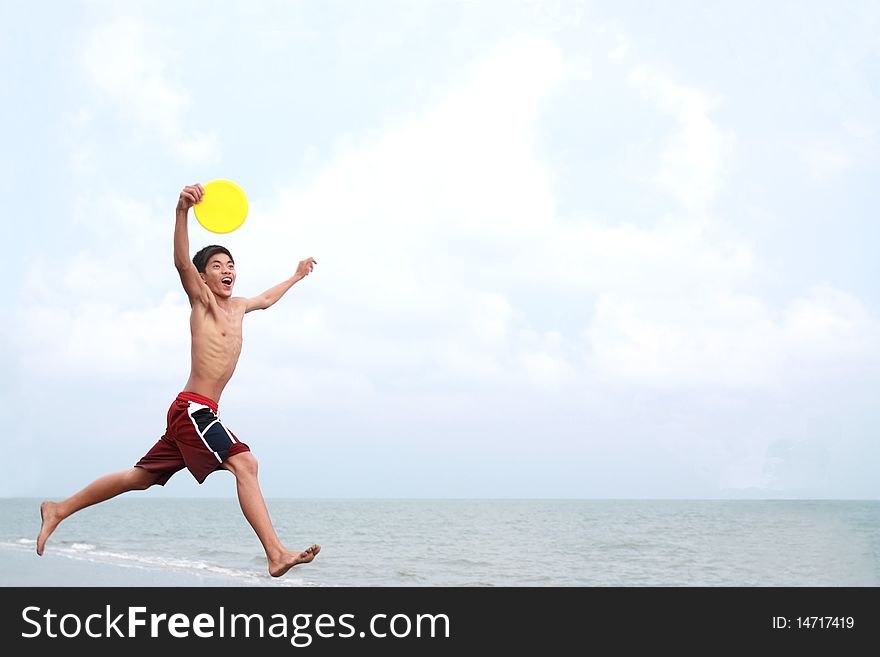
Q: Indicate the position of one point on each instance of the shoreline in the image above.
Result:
(23, 568)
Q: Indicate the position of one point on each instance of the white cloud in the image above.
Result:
(731, 339)
(827, 161)
(546, 365)
(129, 62)
(832, 326)
(403, 225)
(101, 340)
(106, 309)
(692, 167)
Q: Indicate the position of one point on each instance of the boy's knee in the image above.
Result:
(142, 479)
(243, 464)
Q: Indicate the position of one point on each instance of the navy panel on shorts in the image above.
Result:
(208, 426)
(218, 440)
(203, 418)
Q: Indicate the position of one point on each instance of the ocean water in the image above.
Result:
(457, 542)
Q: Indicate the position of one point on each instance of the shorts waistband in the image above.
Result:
(198, 399)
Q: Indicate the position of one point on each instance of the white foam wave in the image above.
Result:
(88, 552)
(82, 547)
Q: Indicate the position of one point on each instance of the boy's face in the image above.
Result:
(220, 275)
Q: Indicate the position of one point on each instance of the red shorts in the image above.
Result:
(194, 438)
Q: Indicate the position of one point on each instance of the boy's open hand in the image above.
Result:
(305, 267)
(190, 196)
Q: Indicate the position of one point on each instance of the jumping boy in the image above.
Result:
(194, 437)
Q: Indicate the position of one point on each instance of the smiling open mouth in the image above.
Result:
(226, 280)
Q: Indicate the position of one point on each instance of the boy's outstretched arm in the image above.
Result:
(189, 277)
(272, 295)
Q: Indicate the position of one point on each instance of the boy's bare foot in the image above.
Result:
(50, 519)
(289, 559)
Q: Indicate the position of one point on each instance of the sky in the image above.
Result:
(565, 249)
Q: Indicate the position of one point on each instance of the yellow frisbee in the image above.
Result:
(223, 208)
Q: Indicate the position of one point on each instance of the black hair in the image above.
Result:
(200, 259)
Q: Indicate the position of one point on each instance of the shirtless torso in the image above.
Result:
(216, 345)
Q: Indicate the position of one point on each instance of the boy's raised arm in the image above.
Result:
(272, 295)
(192, 283)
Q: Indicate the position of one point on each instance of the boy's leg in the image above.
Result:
(250, 497)
(103, 488)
